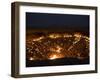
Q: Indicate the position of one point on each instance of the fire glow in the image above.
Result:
(57, 45)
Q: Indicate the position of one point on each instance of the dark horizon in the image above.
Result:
(57, 21)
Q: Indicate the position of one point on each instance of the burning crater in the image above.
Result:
(50, 46)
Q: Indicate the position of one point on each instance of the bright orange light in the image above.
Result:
(38, 39)
(54, 36)
(53, 57)
(31, 58)
(57, 49)
(86, 38)
(56, 56)
(77, 35)
(67, 35)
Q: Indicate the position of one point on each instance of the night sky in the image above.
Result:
(57, 21)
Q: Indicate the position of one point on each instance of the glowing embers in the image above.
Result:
(56, 52)
(53, 56)
(31, 58)
(77, 37)
(56, 45)
(38, 39)
(56, 49)
(54, 35)
(67, 35)
(59, 35)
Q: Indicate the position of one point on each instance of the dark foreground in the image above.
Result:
(57, 62)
